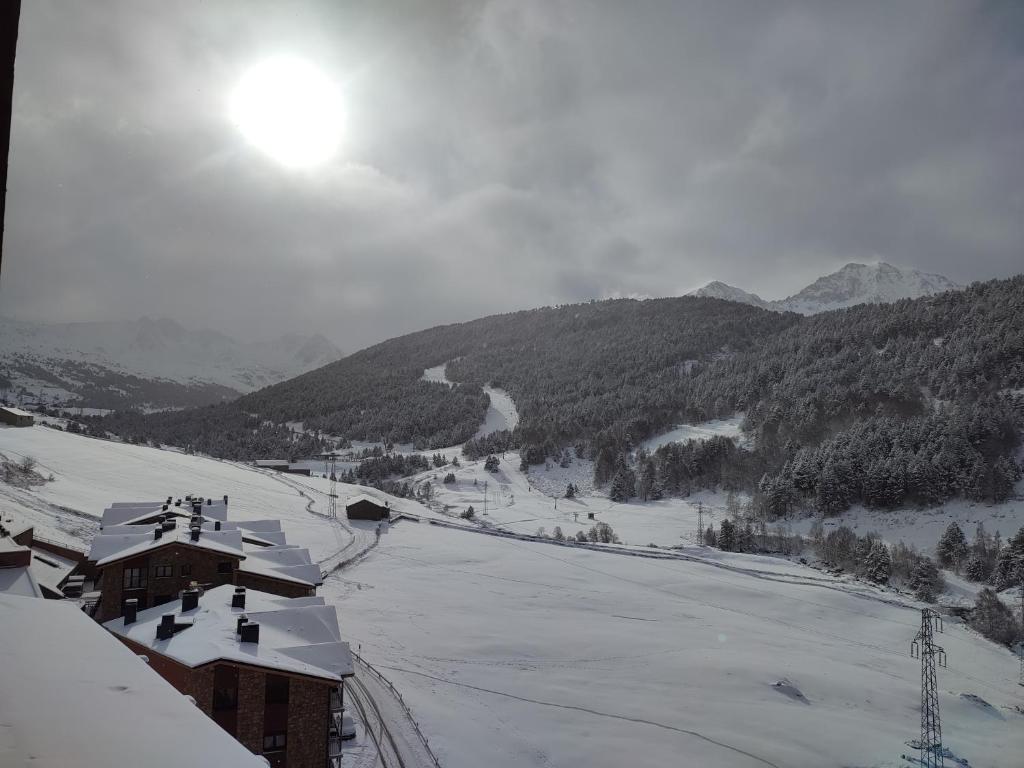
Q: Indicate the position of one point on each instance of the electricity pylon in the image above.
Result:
(931, 655)
(332, 497)
(1020, 646)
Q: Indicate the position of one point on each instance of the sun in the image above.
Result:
(289, 109)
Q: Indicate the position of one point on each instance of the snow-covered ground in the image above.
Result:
(523, 654)
(524, 503)
(514, 653)
(89, 474)
(680, 434)
(923, 527)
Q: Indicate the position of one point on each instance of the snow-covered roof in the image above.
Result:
(271, 463)
(50, 570)
(109, 548)
(296, 635)
(131, 512)
(286, 562)
(15, 411)
(20, 582)
(83, 699)
(364, 497)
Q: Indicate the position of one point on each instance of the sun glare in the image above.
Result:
(290, 110)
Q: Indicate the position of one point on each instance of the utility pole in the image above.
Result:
(485, 497)
(332, 497)
(931, 655)
(1020, 646)
(700, 523)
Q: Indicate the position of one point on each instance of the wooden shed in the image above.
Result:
(365, 507)
(16, 417)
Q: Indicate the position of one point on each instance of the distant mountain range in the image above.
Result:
(145, 363)
(877, 283)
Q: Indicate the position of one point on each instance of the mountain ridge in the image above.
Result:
(149, 362)
(853, 284)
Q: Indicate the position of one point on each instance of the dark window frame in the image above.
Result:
(278, 741)
(225, 697)
(163, 571)
(134, 578)
(186, 569)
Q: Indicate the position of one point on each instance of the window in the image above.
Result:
(225, 688)
(277, 689)
(186, 569)
(134, 578)
(274, 741)
(224, 566)
(163, 571)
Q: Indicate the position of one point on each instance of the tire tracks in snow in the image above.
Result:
(587, 710)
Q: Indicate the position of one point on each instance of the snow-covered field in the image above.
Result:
(520, 654)
(680, 434)
(89, 474)
(515, 653)
(518, 503)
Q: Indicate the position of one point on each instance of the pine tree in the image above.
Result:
(994, 619)
(745, 538)
(952, 547)
(727, 536)
(926, 581)
(976, 569)
(878, 563)
(648, 478)
(623, 483)
(570, 491)
(710, 539)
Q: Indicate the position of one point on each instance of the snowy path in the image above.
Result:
(399, 741)
(501, 414)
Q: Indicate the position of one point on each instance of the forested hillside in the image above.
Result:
(918, 400)
(574, 372)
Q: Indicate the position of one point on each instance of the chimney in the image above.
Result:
(131, 611)
(216, 525)
(188, 497)
(225, 499)
(165, 630)
(250, 632)
(189, 600)
(197, 508)
(177, 503)
(209, 502)
(238, 599)
(169, 500)
(194, 534)
(163, 508)
(238, 626)
(157, 533)
(169, 525)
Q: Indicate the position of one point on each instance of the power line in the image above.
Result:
(931, 655)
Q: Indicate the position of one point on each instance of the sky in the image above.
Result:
(503, 154)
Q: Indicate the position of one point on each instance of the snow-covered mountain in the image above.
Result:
(878, 282)
(720, 290)
(146, 362)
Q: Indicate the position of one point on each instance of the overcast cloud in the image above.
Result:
(502, 155)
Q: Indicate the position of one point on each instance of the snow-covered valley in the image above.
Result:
(514, 653)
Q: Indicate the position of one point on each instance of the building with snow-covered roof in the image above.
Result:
(31, 566)
(74, 696)
(152, 559)
(366, 507)
(16, 417)
(269, 670)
